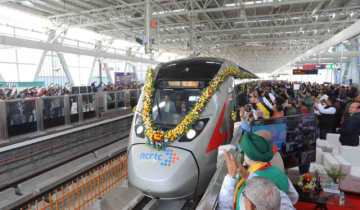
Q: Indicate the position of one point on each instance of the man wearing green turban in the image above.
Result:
(258, 153)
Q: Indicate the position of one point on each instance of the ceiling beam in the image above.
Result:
(20, 42)
(350, 32)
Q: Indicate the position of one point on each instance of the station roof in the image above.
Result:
(260, 35)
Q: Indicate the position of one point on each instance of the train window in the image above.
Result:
(190, 70)
(172, 105)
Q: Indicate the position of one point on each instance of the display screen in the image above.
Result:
(301, 72)
(294, 137)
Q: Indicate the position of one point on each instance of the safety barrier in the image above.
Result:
(85, 190)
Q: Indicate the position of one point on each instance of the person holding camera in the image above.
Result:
(328, 115)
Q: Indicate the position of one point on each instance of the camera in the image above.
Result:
(247, 108)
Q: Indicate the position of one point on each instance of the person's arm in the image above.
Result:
(227, 193)
(41, 93)
(309, 102)
(293, 195)
(330, 110)
(301, 95)
(245, 126)
(262, 108)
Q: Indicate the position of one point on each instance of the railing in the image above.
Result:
(84, 191)
(24, 116)
(21, 84)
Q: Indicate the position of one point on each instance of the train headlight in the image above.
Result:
(199, 125)
(139, 130)
(191, 134)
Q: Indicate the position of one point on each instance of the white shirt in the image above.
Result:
(272, 97)
(167, 106)
(227, 193)
(267, 103)
(322, 110)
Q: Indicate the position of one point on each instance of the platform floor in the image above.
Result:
(119, 198)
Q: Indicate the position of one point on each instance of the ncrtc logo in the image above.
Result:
(168, 161)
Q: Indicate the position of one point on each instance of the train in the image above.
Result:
(184, 169)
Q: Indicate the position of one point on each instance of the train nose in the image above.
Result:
(169, 174)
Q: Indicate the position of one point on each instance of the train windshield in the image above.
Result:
(172, 105)
(178, 86)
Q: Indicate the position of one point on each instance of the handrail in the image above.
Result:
(210, 199)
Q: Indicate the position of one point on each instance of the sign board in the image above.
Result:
(314, 67)
(123, 78)
(301, 72)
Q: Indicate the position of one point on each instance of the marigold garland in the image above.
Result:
(233, 116)
(159, 139)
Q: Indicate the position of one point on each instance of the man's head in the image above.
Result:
(277, 108)
(183, 104)
(266, 135)
(261, 193)
(354, 108)
(330, 101)
(178, 97)
(166, 98)
(307, 93)
(259, 114)
(256, 148)
(357, 98)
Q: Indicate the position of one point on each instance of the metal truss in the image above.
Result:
(261, 35)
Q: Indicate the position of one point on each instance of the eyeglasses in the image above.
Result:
(243, 193)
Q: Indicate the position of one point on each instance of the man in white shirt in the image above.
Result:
(169, 106)
(328, 116)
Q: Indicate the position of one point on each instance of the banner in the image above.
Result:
(314, 67)
(302, 72)
(122, 78)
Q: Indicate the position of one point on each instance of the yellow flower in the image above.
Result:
(306, 186)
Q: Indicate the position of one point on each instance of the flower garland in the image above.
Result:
(233, 116)
(159, 139)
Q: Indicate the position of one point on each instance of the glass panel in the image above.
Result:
(133, 98)
(74, 109)
(21, 117)
(110, 99)
(88, 106)
(54, 113)
(121, 99)
(170, 106)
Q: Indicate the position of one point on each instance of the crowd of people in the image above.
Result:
(24, 111)
(264, 185)
(58, 90)
(334, 105)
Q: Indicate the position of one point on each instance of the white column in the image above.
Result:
(147, 26)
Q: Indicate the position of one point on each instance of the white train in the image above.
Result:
(186, 167)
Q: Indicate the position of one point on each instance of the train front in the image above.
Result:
(185, 168)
